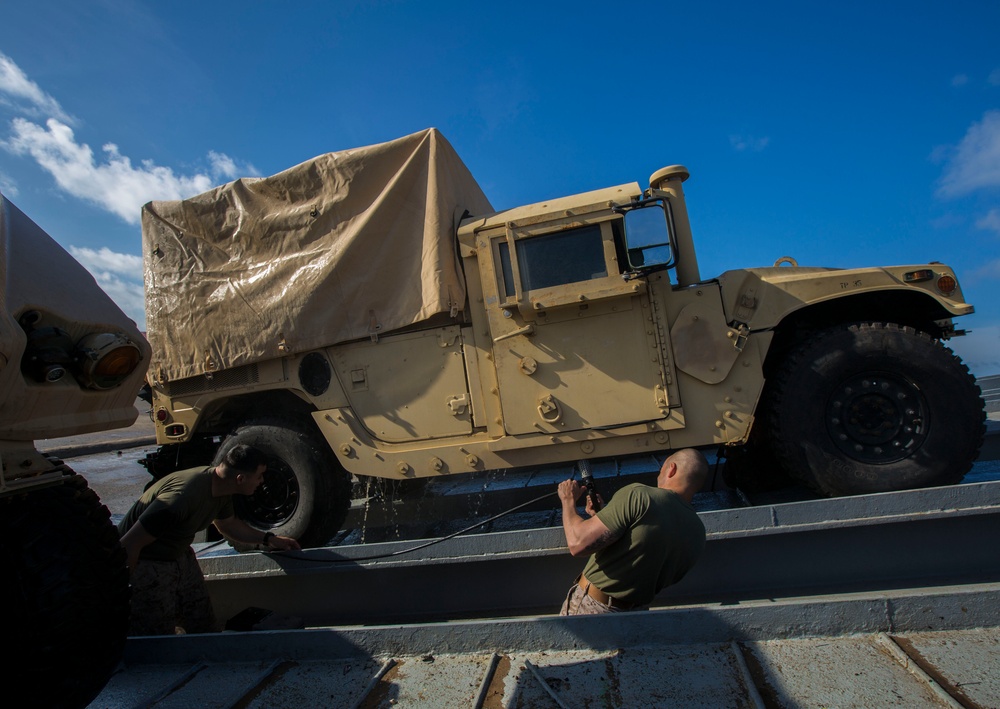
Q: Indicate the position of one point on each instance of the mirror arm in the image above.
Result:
(634, 204)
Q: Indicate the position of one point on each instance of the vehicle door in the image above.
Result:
(575, 344)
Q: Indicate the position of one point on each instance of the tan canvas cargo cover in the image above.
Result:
(340, 247)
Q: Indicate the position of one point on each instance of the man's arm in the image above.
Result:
(134, 541)
(239, 531)
(583, 535)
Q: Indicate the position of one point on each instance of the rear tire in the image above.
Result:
(65, 595)
(305, 493)
(875, 407)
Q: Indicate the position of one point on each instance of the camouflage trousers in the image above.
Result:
(579, 603)
(170, 597)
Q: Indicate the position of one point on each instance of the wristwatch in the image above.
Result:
(268, 536)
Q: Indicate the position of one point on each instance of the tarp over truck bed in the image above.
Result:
(328, 251)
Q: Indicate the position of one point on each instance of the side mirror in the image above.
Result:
(648, 236)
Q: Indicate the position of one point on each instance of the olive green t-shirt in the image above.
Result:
(174, 509)
(661, 539)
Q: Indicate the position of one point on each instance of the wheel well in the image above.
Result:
(222, 416)
(903, 307)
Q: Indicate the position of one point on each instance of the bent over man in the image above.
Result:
(168, 588)
(645, 539)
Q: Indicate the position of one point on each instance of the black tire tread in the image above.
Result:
(332, 493)
(782, 394)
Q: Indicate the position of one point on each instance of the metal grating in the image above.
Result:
(226, 379)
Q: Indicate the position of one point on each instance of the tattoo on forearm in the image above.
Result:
(601, 542)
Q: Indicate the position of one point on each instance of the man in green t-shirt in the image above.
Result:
(168, 588)
(645, 539)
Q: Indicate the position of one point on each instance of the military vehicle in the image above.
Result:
(368, 313)
(70, 362)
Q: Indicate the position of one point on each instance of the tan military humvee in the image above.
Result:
(369, 313)
(70, 362)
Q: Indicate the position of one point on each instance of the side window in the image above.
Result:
(564, 257)
(506, 270)
(568, 256)
(539, 267)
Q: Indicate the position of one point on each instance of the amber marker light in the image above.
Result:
(924, 274)
(947, 284)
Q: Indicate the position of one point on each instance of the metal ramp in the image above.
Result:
(919, 538)
(914, 648)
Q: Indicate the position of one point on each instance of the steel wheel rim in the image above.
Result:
(275, 501)
(877, 417)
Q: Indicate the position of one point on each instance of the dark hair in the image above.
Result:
(243, 458)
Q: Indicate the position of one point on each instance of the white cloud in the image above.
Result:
(975, 163)
(994, 77)
(110, 181)
(990, 222)
(748, 143)
(959, 80)
(128, 295)
(114, 184)
(7, 185)
(224, 166)
(104, 259)
(27, 96)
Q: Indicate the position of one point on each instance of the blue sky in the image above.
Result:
(844, 134)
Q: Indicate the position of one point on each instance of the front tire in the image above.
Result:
(305, 493)
(875, 407)
(65, 595)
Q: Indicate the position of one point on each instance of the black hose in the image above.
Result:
(291, 555)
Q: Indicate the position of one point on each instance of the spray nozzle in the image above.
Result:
(587, 478)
